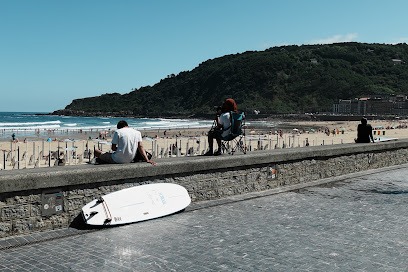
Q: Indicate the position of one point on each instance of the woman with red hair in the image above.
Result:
(229, 105)
(222, 126)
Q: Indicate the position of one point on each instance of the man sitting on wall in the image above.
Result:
(364, 132)
(126, 142)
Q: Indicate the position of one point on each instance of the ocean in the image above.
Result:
(29, 124)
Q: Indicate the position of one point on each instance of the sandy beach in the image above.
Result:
(77, 148)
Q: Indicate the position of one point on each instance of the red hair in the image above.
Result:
(229, 105)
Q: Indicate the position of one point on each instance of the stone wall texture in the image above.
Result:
(22, 193)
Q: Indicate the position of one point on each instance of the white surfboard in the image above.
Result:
(136, 204)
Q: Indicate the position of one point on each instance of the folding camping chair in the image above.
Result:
(235, 140)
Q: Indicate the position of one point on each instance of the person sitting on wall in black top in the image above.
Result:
(364, 132)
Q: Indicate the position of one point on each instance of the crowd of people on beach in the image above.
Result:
(124, 143)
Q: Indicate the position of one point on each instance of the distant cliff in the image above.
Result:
(286, 79)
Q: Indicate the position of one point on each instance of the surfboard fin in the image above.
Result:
(91, 214)
(99, 201)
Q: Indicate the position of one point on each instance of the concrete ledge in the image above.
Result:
(24, 194)
(38, 237)
(46, 178)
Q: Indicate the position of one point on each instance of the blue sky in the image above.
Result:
(52, 52)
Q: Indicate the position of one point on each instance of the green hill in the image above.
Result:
(286, 79)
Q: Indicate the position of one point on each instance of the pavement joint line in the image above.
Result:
(39, 237)
(19, 241)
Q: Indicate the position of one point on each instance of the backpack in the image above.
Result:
(139, 157)
(236, 120)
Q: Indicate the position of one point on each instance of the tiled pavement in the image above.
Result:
(356, 224)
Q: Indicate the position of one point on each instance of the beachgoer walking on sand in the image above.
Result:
(364, 132)
(13, 137)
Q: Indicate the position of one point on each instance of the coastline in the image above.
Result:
(42, 150)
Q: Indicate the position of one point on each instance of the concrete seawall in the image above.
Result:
(33, 200)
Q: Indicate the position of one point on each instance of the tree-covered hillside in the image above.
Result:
(286, 79)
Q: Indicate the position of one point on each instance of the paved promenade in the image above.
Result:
(355, 224)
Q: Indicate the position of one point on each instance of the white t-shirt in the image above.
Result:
(126, 140)
(225, 121)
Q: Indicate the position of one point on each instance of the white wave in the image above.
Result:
(156, 123)
(174, 120)
(87, 128)
(15, 124)
(109, 127)
(59, 128)
(170, 123)
(178, 126)
(31, 127)
(105, 124)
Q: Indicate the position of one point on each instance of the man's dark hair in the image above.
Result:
(122, 124)
(364, 121)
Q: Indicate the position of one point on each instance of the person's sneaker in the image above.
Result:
(217, 153)
(93, 161)
(208, 153)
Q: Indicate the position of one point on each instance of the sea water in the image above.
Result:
(36, 123)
